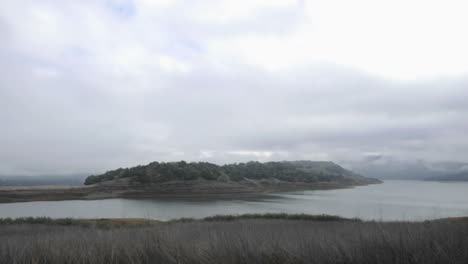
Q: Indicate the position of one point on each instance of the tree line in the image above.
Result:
(292, 171)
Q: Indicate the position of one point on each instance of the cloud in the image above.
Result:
(95, 85)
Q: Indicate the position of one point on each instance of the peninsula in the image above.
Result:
(197, 180)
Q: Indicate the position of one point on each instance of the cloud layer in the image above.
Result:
(93, 85)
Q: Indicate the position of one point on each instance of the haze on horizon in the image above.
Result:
(89, 86)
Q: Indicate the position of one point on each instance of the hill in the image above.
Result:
(286, 171)
(199, 180)
(389, 168)
(463, 176)
(75, 180)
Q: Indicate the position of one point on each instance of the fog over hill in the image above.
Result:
(462, 176)
(21, 180)
(390, 168)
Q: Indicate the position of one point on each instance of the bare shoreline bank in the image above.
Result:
(209, 190)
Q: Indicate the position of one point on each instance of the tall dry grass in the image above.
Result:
(238, 241)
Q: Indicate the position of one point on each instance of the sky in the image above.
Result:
(92, 85)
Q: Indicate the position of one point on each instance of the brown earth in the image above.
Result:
(196, 189)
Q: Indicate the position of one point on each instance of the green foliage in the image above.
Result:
(294, 171)
(128, 222)
(319, 218)
(37, 220)
(105, 223)
(92, 180)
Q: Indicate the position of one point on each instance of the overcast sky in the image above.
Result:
(87, 86)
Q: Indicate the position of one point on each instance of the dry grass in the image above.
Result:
(240, 240)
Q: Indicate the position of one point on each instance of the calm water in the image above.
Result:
(392, 200)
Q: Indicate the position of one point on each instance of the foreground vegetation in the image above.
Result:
(272, 238)
(289, 171)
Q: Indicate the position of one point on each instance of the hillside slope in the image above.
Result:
(197, 180)
(285, 171)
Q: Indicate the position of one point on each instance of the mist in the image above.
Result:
(94, 85)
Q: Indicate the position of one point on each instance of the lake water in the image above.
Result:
(392, 200)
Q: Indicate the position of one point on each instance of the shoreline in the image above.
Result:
(200, 190)
(119, 222)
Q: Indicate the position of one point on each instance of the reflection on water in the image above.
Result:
(392, 200)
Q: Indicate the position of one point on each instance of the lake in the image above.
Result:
(392, 200)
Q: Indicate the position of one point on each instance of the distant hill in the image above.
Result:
(389, 168)
(287, 171)
(42, 180)
(463, 176)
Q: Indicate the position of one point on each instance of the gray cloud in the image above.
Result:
(89, 87)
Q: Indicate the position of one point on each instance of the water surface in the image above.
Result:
(392, 200)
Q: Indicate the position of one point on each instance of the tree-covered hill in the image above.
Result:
(289, 171)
